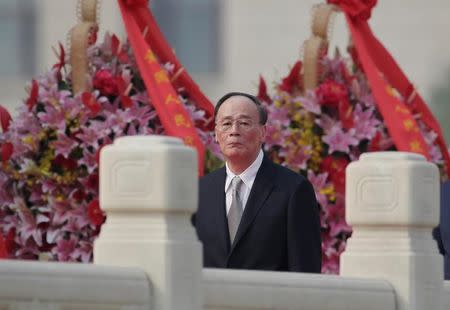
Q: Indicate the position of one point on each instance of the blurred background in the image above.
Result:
(227, 44)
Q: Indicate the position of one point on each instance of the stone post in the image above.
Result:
(149, 189)
(392, 202)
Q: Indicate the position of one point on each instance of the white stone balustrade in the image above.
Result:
(263, 290)
(27, 285)
(392, 203)
(149, 189)
(446, 295)
(148, 257)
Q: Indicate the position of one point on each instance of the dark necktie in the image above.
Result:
(235, 213)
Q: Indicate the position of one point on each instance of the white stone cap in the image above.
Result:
(391, 156)
(148, 173)
(146, 141)
(392, 188)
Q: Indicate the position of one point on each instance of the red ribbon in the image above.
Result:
(173, 115)
(395, 76)
(356, 9)
(385, 75)
(155, 38)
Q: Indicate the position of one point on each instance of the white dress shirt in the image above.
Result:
(247, 177)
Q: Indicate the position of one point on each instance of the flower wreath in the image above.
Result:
(319, 132)
(49, 205)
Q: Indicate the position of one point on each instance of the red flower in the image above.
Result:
(97, 153)
(7, 150)
(380, 143)
(123, 57)
(62, 61)
(79, 195)
(330, 93)
(106, 83)
(95, 214)
(92, 181)
(58, 160)
(346, 114)
(3, 252)
(357, 9)
(66, 163)
(10, 244)
(374, 144)
(262, 91)
(5, 119)
(115, 44)
(293, 80)
(90, 102)
(126, 101)
(45, 247)
(336, 171)
(34, 92)
(118, 50)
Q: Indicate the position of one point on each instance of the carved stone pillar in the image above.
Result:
(149, 189)
(392, 202)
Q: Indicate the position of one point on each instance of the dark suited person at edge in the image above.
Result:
(254, 214)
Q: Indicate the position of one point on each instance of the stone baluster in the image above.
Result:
(149, 189)
(392, 202)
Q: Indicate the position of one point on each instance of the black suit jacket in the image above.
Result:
(442, 232)
(279, 229)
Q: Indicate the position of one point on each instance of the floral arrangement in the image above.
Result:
(319, 132)
(49, 205)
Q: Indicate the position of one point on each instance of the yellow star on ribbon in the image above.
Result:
(171, 99)
(161, 76)
(150, 57)
(416, 146)
(181, 121)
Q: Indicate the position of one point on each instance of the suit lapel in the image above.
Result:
(220, 215)
(261, 189)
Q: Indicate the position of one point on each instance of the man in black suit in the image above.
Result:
(254, 214)
(441, 233)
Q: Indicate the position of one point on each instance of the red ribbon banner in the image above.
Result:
(394, 94)
(155, 38)
(173, 115)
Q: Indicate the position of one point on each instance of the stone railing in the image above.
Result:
(148, 257)
(235, 289)
(42, 285)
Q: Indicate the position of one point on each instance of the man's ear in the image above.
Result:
(264, 132)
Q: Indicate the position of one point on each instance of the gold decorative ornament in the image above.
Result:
(81, 36)
(317, 44)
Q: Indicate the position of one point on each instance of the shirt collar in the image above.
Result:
(248, 175)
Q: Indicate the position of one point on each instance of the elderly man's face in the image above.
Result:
(238, 131)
